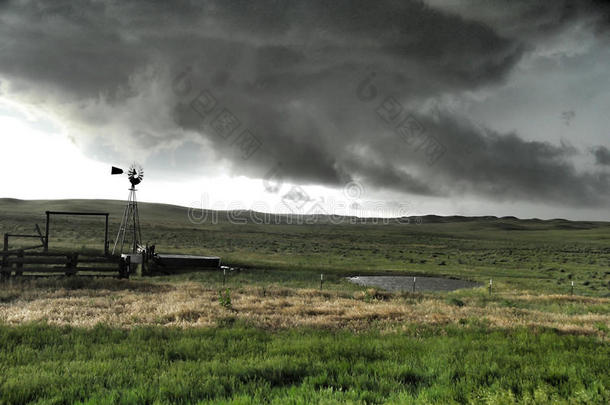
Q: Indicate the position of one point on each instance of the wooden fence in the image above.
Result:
(19, 262)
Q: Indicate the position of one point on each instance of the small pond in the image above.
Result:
(405, 283)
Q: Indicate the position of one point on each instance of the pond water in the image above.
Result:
(405, 283)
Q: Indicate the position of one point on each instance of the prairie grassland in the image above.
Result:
(276, 338)
(541, 256)
(127, 304)
(235, 364)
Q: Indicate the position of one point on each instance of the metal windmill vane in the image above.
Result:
(130, 223)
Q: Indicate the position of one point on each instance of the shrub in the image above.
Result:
(224, 298)
(457, 302)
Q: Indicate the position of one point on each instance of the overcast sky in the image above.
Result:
(470, 107)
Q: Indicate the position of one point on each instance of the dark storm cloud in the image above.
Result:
(506, 167)
(602, 155)
(532, 20)
(289, 72)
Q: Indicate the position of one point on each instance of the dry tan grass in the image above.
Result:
(126, 304)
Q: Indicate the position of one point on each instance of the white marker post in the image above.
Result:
(572, 289)
(413, 284)
(321, 280)
(490, 284)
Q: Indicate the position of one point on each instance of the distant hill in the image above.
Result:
(166, 213)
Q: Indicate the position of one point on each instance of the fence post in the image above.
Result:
(19, 265)
(68, 264)
(106, 244)
(122, 267)
(572, 289)
(46, 232)
(490, 284)
(127, 267)
(71, 264)
(144, 260)
(321, 280)
(413, 284)
(3, 272)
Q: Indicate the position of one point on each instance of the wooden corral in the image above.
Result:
(24, 261)
(18, 263)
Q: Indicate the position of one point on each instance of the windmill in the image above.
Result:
(130, 224)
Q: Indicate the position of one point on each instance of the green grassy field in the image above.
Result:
(241, 365)
(171, 339)
(531, 254)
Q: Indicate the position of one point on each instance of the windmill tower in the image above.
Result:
(129, 231)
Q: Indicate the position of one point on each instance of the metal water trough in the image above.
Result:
(186, 261)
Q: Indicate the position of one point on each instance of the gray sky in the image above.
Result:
(466, 107)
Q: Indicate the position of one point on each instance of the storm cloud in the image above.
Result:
(327, 91)
(602, 155)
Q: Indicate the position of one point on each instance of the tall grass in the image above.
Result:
(244, 365)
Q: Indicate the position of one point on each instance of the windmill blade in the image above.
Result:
(135, 174)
